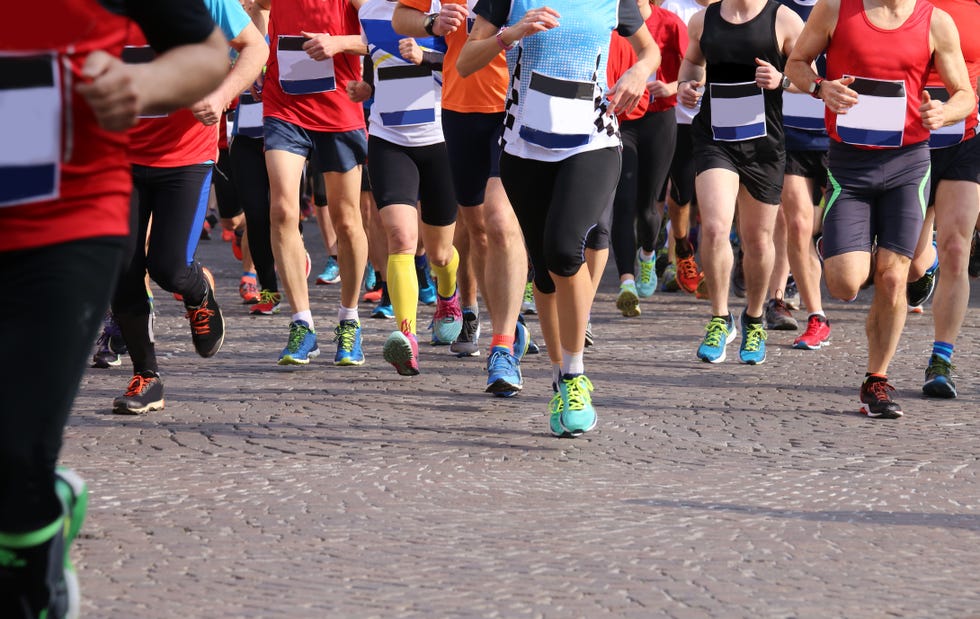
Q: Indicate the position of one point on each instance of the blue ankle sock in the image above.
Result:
(943, 349)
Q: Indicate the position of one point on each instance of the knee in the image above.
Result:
(954, 255)
(841, 286)
(281, 215)
(563, 259)
(890, 281)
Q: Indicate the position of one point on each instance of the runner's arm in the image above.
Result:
(948, 58)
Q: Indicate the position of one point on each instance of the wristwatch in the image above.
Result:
(815, 87)
(429, 23)
(786, 83)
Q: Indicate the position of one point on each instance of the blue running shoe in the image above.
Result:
(718, 334)
(504, 373)
(302, 345)
(331, 273)
(370, 277)
(532, 346)
(522, 339)
(348, 338)
(447, 322)
(646, 281)
(577, 415)
(384, 308)
(427, 288)
(752, 351)
(939, 379)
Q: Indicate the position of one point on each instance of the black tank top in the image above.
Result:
(730, 51)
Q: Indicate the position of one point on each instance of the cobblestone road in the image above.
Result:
(705, 491)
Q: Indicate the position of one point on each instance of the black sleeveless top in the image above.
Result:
(730, 51)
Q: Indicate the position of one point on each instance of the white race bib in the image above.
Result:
(298, 73)
(30, 123)
(558, 113)
(405, 95)
(878, 119)
(945, 136)
(738, 112)
(248, 118)
(802, 111)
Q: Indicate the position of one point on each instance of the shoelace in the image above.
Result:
(812, 326)
(267, 296)
(445, 309)
(200, 319)
(529, 294)
(137, 385)
(646, 271)
(687, 268)
(556, 405)
(754, 336)
(940, 367)
(578, 389)
(500, 357)
(297, 333)
(716, 331)
(880, 389)
(345, 336)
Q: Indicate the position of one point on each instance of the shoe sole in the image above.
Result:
(575, 433)
(751, 361)
(475, 352)
(865, 410)
(503, 388)
(290, 360)
(628, 304)
(805, 346)
(380, 315)
(104, 365)
(327, 282)
(121, 409)
(783, 326)
(348, 362)
(264, 313)
(398, 352)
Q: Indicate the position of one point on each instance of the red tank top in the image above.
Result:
(172, 141)
(966, 15)
(890, 82)
(92, 182)
(331, 110)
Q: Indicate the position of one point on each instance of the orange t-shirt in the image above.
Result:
(485, 90)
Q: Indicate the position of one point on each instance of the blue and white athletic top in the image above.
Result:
(556, 106)
(406, 110)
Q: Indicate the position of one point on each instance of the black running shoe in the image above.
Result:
(876, 401)
(939, 378)
(921, 289)
(144, 394)
(778, 317)
(207, 323)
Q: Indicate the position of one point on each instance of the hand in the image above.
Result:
(659, 89)
(208, 110)
(256, 87)
(533, 22)
(320, 46)
(933, 114)
(688, 94)
(410, 50)
(112, 90)
(767, 76)
(451, 17)
(626, 92)
(837, 96)
(358, 91)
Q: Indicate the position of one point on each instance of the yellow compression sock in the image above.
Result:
(446, 276)
(403, 290)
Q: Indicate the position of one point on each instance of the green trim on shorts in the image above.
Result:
(834, 194)
(31, 538)
(923, 189)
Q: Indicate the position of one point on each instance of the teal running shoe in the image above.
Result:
(628, 301)
(752, 351)
(577, 415)
(646, 282)
(301, 346)
(447, 322)
(348, 338)
(717, 334)
(370, 277)
(555, 407)
(503, 373)
(331, 273)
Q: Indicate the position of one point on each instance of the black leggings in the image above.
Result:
(681, 168)
(557, 203)
(408, 175)
(252, 180)
(177, 198)
(62, 294)
(226, 187)
(648, 148)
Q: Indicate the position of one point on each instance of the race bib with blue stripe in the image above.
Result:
(30, 123)
(405, 95)
(878, 119)
(945, 136)
(248, 118)
(298, 73)
(558, 113)
(738, 112)
(802, 111)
